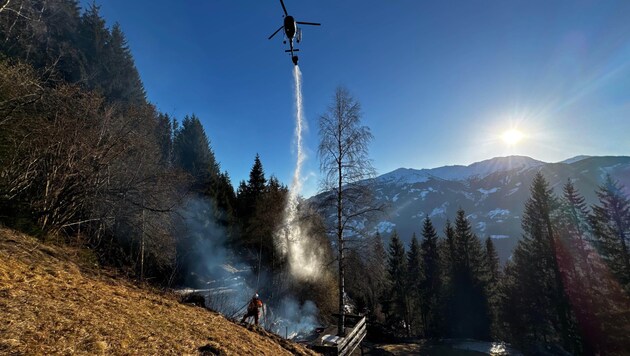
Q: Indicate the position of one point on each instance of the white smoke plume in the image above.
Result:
(226, 282)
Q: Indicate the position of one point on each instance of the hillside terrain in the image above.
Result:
(54, 300)
(492, 192)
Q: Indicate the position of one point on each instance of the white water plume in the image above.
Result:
(293, 242)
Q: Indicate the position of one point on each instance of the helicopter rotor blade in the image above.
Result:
(284, 8)
(273, 34)
(308, 23)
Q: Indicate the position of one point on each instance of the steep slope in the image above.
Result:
(492, 192)
(53, 301)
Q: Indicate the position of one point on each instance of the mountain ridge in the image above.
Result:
(492, 192)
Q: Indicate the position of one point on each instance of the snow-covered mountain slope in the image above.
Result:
(460, 173)
(575, 159)
(492, 192)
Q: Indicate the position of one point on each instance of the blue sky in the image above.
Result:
(439, 81)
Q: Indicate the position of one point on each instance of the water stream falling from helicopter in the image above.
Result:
(292, 238)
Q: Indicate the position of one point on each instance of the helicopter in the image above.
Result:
(292, 31)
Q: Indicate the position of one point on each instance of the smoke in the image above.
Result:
(212, 269)
(303, 254)
(226, 281)
(299, 319)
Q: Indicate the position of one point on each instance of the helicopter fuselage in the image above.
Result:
(290, 27)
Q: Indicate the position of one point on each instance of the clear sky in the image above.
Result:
(439, 81)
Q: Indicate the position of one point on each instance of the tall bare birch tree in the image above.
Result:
(346, 172)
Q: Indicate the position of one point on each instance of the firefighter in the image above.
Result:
(253, 309)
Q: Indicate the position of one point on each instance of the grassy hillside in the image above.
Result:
(53, 301)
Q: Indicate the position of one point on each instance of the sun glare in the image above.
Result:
(512, 136)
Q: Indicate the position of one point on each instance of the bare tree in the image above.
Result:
(346, 170)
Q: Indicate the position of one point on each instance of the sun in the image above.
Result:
(512, 136)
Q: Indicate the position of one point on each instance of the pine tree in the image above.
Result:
(535, 286)
(414, 285)
(491, 280)
(222, 192)
(449, 247)
(578, 269)
(122, 83)
(432, 279)
(468, 315)
(262, 225)
(574, 208)
(376, 276)
(192, 153)
(445, 314)
(355, 275)
(574, 230)
(250, 192)
(93, 39)
(257, 181)
(611, 227)
(164, 136)
(491, 261)
(397, 270)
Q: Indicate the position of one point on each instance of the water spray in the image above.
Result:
(303, 262)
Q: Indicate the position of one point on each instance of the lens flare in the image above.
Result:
(512, 136)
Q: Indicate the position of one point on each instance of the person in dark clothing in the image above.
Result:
(253, 309)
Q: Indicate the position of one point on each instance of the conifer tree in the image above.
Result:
(469, 316)
(93, 39)
(491, 261)
(123, 83)
(447, 256)
(535, 286)
(574, 209)
(574, 230)
(250, 192)
(611, 227)
(397, 270)
(449, 247)
(263, 224)
(491, 280)
(579, 270)
(192, 153)
(376, 278)
(257, 180)
(222, 192)
(414, 285)
(432, 279)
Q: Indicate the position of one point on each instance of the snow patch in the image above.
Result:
(488, 348)
(441, 210)
(403, 176)
(498, 213)
(499, 236)
(488, 191)
(385, 227)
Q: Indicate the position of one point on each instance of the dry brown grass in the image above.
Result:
(51, 303)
